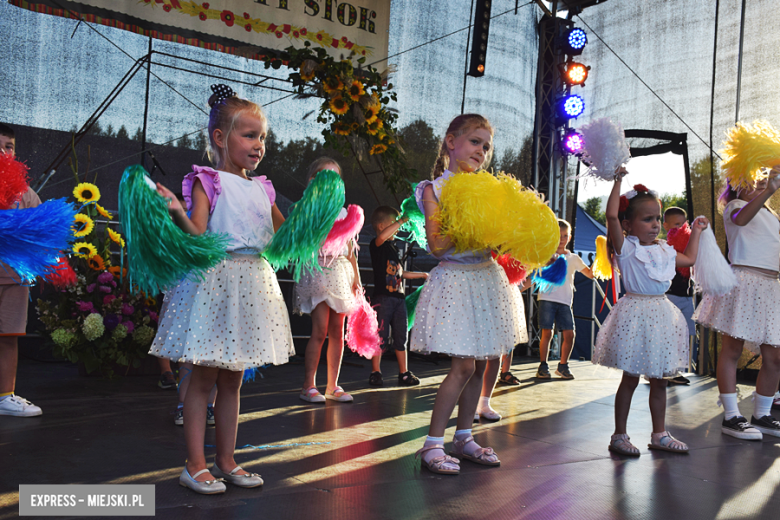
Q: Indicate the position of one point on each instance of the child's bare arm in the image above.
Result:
(387, 233)
(688, 257)
(411, 275)
(438, 243)
(277, 217)
(614, 227)
(197, 223)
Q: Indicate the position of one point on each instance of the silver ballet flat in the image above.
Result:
(207, 487)
(249, 480)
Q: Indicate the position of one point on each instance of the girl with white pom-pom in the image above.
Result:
(644, 333)
(749, 316)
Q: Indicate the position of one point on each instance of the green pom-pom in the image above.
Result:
(415, 226)
(411, 307)
(160, 255)
(299, 239)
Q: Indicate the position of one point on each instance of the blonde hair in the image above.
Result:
(318, 165)
(459, 126)
(223, 116)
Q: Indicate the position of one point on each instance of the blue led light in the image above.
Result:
(577, 38)
(573, 106)
(573, 142)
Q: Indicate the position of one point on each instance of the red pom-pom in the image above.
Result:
(641, 188)
(13, 181)
(515, 271)
(623, 204)
(62, 275)
(678, 239)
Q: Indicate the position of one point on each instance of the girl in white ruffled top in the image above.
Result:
(644, 333)
(234, 317)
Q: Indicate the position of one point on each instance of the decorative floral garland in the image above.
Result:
(204, 12)
(354, 104)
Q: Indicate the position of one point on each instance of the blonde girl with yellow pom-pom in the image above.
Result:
(466, 308)
(748, 316)
(645, 333)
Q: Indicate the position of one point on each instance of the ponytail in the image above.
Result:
(442, 161)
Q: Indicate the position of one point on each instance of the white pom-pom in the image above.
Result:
(712, 274)
(605, 148)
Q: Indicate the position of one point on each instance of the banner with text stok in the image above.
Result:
(86, 500)
(244, 27)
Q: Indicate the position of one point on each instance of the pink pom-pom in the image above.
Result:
(515, 271)
(363, 328)
(13, 181)
(678, 239)
(343, 231)
(62, 275)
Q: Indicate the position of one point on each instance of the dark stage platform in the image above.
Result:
(355, 461)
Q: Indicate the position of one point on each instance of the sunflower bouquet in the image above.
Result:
(354, 106)
(98, 321)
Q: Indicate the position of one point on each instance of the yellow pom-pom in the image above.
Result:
(748, 149)
(602, 268)
(485, 211)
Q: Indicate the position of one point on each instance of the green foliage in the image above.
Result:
(122, 133)
(517, 163)
(592, 207)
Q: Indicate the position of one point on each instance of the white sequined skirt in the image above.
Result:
(333, 286)
(467, 311)
(643, 334)
(518, 296)
(750, 312)
(234, 319)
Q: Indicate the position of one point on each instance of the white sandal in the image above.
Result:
(668, 443)
(436, 464)
(621, 444)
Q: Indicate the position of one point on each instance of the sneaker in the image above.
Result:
(167, 381)
(563, 371)
(767, 425)
(679, 380)
(408, 379)
(178, 418)
(19, 407)
(543, 372)
(776, 401)
(740, 428)
(210, 416)
(375, 379)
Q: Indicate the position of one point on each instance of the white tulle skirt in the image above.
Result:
(750, 311)
(333, 286)
(468, 311)
(234, 319)
(518, 296)
(643, 335)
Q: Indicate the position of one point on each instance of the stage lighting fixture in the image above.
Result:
(576, 74)
(479, 38)
(570, 107)
(574, 41)
(573, 142)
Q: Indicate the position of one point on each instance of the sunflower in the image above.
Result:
(339, 105)
(377, 149)
(86, 192)
(103, 211)
(341, 128)
(117, 271)
(84, 250)
(374, 127)
(96, 263)
(115, 237)
(356, 90)
(332, 84)
(83, 225)
(372, 112)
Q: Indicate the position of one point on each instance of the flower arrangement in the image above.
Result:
(354, 107)
(98, 321)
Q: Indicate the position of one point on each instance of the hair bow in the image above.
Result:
(222, 92)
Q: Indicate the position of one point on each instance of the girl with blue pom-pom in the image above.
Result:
(644, 333)
(235, 317)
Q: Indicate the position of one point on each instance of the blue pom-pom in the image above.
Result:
(33, 239)
(552, 276)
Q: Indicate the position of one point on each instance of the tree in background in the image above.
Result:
(518, 163)
(201, 141)
(122, 133)
(592, 207)
(184, 142)
(138, 135)
(421, 146)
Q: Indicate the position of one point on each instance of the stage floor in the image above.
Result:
(356, 461)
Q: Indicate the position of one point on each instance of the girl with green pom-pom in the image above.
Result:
(328, 295)
(234, 317)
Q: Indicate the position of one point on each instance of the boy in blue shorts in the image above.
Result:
(555, 309)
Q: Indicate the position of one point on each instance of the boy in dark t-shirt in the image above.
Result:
(388, 297)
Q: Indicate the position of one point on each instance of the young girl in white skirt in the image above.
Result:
(328, 296)
(644, 333)
(465, 310)
(235, 318)
(749, 315)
